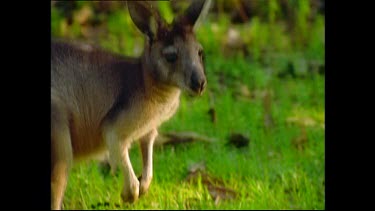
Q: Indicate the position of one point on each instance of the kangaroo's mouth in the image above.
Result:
(195, 92)
(191, 90)
(198, 90)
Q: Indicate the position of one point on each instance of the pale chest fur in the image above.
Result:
(145, 115)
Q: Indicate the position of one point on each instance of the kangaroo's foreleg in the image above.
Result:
(147, 143)
(119, 155)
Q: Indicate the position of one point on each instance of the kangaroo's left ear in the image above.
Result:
(193, 12)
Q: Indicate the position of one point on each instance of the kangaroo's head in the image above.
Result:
(172, 53)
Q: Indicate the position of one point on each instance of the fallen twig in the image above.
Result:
(181, 137)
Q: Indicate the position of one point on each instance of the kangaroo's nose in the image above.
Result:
(197, 83)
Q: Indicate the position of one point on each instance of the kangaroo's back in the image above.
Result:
(86, 84)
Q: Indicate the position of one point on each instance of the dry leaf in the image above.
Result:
(244, 90)
(221, 193)
(302, 121)
(201, 166)
(233, 39)
(206, 179)
(233, 43)
(241, 91)
(300, 141)
(215, 186)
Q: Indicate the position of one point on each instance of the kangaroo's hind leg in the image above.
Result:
(61, 156)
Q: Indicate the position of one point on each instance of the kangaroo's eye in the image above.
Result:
(170, 54)
(171, 57)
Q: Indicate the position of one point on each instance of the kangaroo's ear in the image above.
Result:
(193, 12)
(145, 17)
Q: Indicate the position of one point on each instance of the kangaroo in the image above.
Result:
(102, 102)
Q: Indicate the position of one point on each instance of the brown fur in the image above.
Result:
(101, 101)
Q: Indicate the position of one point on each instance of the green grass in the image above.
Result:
(270, 173)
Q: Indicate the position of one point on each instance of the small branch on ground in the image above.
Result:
(174, 138)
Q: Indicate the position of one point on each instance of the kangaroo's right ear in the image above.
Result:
(145, 17)
(193, 12)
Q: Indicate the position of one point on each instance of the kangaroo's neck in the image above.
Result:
(155, 89)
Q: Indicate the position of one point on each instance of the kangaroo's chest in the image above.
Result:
(144, 116)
